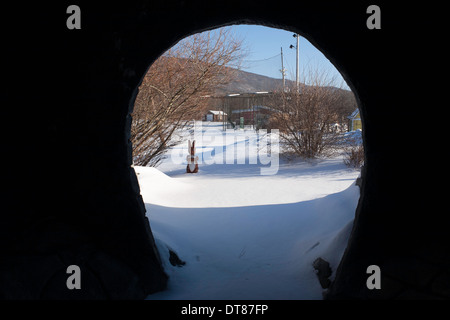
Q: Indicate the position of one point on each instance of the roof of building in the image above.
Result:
(354, 115)
(255, 108)
(216, 113)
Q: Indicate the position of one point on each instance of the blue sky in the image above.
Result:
(264, 58)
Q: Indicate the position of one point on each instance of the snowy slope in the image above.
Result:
(247, 236)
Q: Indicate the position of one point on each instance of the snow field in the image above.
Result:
(244, 235)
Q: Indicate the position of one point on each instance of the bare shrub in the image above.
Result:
(354, 152)
(309, 119)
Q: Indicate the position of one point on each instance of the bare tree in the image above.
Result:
(173, 91)
(309, 119)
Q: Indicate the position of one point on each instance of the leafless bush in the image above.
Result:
(309, 119)
(354, 153)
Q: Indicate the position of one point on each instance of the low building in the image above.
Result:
(355, 122)
(213, 115)
(256, 115)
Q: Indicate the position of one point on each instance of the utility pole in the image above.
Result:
(283, 70)
(298, 64)
(296, 35)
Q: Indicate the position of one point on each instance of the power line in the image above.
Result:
(275, 56)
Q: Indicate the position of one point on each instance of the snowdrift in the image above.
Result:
(249, 252)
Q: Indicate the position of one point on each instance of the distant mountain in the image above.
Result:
(247, 82)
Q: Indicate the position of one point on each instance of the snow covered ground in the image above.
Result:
(244, 235)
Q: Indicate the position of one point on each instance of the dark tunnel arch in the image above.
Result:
(339, 32)
(184, 33)
(99, 69)
(348, 78)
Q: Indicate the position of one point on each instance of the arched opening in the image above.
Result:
(85, 207)
(243, 228)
